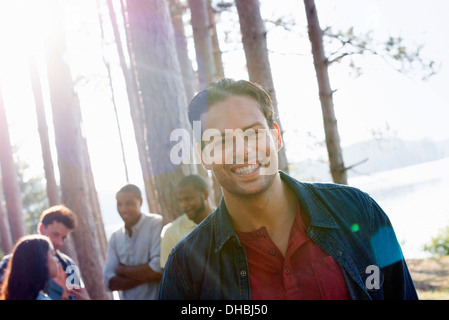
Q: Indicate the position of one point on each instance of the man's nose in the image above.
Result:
(57, 243)
(245, 149)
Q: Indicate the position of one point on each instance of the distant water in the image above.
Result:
(415, 198)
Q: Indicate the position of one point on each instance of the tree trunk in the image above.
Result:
(52, 187)
(215, 43)
(208, 62)
(254, 38)
(5, 235)
(320, 61)
(189, 80)
(158, 78)
(111, 86)
(134, 98)
(10, 182)
(188, 74)
(203, 42)
(72, 162)
(95, 204)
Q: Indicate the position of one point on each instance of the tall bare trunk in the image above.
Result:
(215, 43)
(134, 98)
(52, 187)
(72, 161)
(95, 204)
(320, 61)
(203, 42)
(203, 35)
(111, 86)
(10, 181)
(158, 78)
(188, 74)
(254, 38)
(5, 235)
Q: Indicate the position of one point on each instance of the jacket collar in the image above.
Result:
(318, 213)
(315, 207)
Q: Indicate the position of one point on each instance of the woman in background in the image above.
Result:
(31, 267)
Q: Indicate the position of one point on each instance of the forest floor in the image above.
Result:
(431, 277)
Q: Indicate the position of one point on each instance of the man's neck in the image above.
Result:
(207, 210)
(274, 208)
(129, 228)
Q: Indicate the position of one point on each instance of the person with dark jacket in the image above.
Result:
(272, 236)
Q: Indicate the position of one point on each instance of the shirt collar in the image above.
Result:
(318, 213)
(135, 228)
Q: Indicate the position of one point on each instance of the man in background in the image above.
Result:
(132, 261)
(193, 199)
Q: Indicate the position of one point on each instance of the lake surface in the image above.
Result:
(415, 198)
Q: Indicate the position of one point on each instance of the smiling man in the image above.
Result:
(193, 199)
(273, 237)
(132, 261)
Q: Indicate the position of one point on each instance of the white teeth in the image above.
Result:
(246, 170)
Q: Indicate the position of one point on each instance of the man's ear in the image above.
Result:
(277, 136)
(40, 228)
(205, 194)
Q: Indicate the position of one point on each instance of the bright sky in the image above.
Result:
(379, 99)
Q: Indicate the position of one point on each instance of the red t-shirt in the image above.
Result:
(306, 272)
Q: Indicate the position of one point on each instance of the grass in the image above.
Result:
(431, 277)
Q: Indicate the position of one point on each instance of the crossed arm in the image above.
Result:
(128, 277)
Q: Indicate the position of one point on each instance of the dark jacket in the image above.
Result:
(210, 262)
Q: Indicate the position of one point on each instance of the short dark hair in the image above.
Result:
(193, 180)
(131, 188)
(59, 213)
(222, 89)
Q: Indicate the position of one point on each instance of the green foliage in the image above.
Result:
(33, 193)
(439, 245)
(34, 196)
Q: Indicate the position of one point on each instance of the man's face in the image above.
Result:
(56, 231)
(53, 263)
(128, 206)
(191, 202)
(248, 172)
